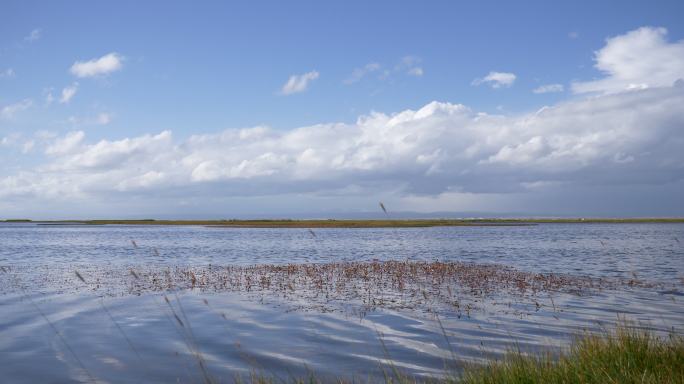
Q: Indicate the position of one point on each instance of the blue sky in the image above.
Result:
(214, 68)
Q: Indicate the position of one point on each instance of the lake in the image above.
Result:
(103, 325)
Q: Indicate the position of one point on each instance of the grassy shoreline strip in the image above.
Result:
(625, 355)
(366, 223)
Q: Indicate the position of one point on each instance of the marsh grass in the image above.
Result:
(626, 354)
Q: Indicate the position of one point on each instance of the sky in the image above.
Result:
(179, 109)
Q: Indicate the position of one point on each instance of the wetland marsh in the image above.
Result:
(150, 302)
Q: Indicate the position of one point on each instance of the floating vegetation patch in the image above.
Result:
(444, 287)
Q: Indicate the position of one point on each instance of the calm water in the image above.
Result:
(270, 335)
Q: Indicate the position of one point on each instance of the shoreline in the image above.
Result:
(364, 223)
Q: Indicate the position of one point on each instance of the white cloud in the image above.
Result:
(67, 93)
(416, 71)
(49, 97)
(298, 83)
(549, 88)
(496, 79)
(609, 142)
(33, 36)
(7, 73)
(44, 135)
(9, 111)
(638, 59)
(573, 35)
(102, 66)
(407, 65)
(615, 140)
(16, 140)
(103, 119)
(410, 65)
(359, 73)
(65, 145)
(10, 140)
(27, 146)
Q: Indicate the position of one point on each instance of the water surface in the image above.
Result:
(129, 338)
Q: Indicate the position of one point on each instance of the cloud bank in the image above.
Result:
(613, 140)
(616, 139)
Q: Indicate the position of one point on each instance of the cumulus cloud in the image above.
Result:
(102, 66)
(549, 88)
(638, 59)
(68, 93)
(615, 140)
(496, 79)
(608, 141)
(9, 111)
(298, 83)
